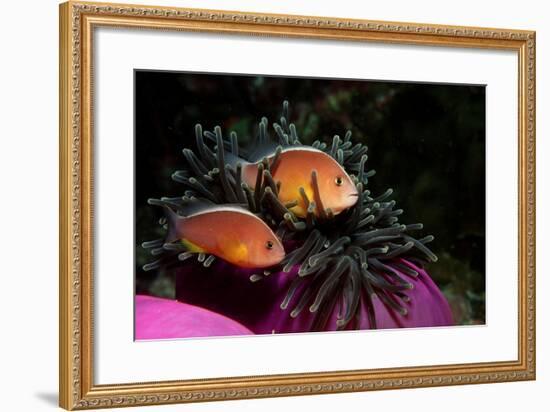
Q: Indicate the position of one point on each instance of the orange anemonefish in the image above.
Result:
(228, 232)
(293, 169)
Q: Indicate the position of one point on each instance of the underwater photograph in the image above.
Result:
(274, 205)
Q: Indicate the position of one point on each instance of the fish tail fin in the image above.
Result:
(248, 170)
(174, 235)
(172, 219)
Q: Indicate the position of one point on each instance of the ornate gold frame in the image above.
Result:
(77, 23)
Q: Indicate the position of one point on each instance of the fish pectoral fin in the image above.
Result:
(298, 210)
(233, 250)
(240, 252)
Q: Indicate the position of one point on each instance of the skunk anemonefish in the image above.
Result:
(293, 169)
(229, 232)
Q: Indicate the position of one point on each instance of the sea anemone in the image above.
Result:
(257, 305)
(346, 269)
(158, 318)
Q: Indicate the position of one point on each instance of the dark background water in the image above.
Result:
(426, 141)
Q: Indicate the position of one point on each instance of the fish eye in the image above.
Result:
(269, 244)
(339, 181)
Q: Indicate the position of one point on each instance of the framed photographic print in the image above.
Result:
(258, 205)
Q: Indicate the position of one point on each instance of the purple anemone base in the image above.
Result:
(227, 290)
(222, 301)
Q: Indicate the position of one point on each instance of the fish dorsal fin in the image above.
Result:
(269, 152)
(232, 159)
(225, 207)
(192, 206)
(263, 150)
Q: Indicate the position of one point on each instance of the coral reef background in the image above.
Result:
(426, 141)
